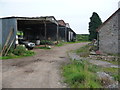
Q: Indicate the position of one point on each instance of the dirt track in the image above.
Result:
(39, 71)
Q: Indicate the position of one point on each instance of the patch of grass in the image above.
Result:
(83, 51)
(110, 69)
(113, 72)
(113, 62)
(82, 37)
(48, 42)
(19, 52)
(116, 77)
(60, 44)
(75, 42)
(79, 74)
(63, 43)
(114, 54)
(42, 47)
(93, 68)
(12, 56)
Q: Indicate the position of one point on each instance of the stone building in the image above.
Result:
(109, 34)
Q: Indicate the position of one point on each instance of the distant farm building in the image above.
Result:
(65, 32)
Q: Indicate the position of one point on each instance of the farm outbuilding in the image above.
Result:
(33, 28)
(62, 30)
(65, 32)
(109, 34)
(71, 35)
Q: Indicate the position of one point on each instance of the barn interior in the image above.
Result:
(37, 29)
(62, 33)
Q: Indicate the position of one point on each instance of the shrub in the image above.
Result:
(117, 77)
(43, 42)
(82, 37)
(29, 53)
(60, 44)
(10, 51)
(19, 51)
(83, 51)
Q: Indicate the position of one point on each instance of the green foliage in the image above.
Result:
(93, 68)
(110, 70)
(42, 47)
(114, 72)
(82, 37)
(79, 74)
(117, 77)
(63, 43)
(43, 42)
(113, 62)
(95, 22)
(60, 44)
(19, 51)
(83, 51)
(29, 53)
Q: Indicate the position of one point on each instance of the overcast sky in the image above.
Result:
(74, 12)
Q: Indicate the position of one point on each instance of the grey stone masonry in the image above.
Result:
(119, 30)
(109, 35)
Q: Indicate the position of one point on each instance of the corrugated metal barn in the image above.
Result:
(42, 28)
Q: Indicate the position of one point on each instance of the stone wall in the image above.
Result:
(108, 36)
(119, 32)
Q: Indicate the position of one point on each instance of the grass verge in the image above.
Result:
(18, 52)
(114, 72)
(63, 43)
(83, 51)
(42, 48)
(112, 62)
(12, 56)
(81, 74)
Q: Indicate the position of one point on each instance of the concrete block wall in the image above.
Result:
(108, 36)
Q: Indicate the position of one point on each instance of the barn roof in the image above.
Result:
(108, 20)
(42, 18)
(61, 22)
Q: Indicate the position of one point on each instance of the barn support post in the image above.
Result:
(57, 32)
(66, 34)
(45, 31)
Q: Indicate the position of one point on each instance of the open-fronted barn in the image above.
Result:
(33, 29)
(62, 30)
(65, 32)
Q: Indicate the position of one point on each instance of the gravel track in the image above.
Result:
(39, 71)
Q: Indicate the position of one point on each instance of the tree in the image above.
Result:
(95, 22)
